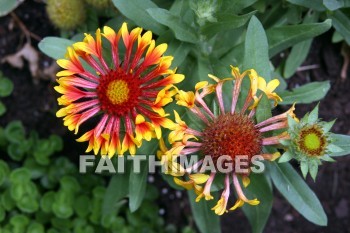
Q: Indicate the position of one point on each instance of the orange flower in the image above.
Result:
(224, 133)
(126, 97)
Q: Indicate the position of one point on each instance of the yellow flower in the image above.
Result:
(185, 98)
(220, 207)
(269, 88)
(189, 185)
(178, 129)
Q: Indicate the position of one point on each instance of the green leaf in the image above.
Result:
(15, 152)
(136, 10)
(296, 57)
(63, 205)
(69, 184)
(6, 6)
(313, 169)
(6, 87)
(47, 201)
(263, 110)
(333, 4)
(138, 180)
(280, 38)
(304, 167)
(285, 157)
(261, 189)
(207, 221)
(117, 189)
(313, 4)
(342, 141)
(6, 200)
(55, 47)
(299, 51)
(56, 142)
(80, 206)
(305, 94)
(35, 227)
(20, 175)
(2, 108)
(297, 192)
(4, 171)
(313, 116)
(28, 204)
(236, 6)
(341, 23)
(19, 220)
(179, 50)
(225, 22)
(256, 53)
(137, 186)
(181, 30)
(336, 38)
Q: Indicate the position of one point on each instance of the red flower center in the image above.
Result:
(118, 92)
(231, 135)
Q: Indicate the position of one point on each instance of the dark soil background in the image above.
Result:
(35, 105)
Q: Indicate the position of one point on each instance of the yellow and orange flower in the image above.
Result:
(223, 134)
(127, 96)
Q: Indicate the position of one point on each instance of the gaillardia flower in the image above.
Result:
(123, 81)
(310, 142)
(226, 132)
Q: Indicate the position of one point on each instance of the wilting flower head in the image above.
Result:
(224, 134)
(123, 81)
(310, 142)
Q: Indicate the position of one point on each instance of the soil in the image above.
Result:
(35, 105)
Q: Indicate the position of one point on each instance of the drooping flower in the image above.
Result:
(126, 95)
(224, 133)
(310, 143)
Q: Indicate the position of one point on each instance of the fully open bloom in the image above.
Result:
(226, 131)
(122, 80)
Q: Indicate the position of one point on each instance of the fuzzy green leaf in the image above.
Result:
(313, 4)
(334, 148)
(342, 141)
(55, 47)
(256, 49)
(6, 6)
(341, 22)
(304, 167)
(326, 126)
(306, 94)
(179, 50)
(313, 116)
(263, 110)
(236, 6)
(225, 22)
(297, 192)
(182, 31)
(333, 4)
(286, 156)
(313, 169)
(299, 51)
(136, 10)
(282, 37)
